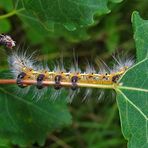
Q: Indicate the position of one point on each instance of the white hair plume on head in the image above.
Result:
(18, 60)
(124, 61)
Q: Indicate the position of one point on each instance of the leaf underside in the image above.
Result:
(140, 27)
(132, 99)
(132, 95)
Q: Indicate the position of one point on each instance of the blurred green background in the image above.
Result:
(95, 124)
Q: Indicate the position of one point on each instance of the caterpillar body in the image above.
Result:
(24, 67)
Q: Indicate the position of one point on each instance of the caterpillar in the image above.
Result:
(24, 67)
(7, 41)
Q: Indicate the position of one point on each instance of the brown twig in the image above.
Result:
(7, 81)
(52, 83)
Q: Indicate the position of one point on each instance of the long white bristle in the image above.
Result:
(17, 60)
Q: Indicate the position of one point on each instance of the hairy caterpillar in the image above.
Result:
(7, 41)
(24, 67)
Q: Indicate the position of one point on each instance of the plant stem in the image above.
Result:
(52, 83)
(13, 12)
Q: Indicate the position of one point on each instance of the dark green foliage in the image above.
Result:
(25, 120)
(96, 28)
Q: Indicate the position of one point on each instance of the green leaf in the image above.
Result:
(116, 1)
(7, 4)
(25, 121)
(53, 31)
(5, 143)
(71, 14)
(140, 35)
(5, 26)
(132, 98)
(132, 94)
(36, 35)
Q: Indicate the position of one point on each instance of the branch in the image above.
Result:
(52, 83)
(13, 12)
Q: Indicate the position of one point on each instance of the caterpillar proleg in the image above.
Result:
(24, 68)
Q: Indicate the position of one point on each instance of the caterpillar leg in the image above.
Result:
(115, 78)
(19, 79)
(57, 82)
(74, 81)
(40, 78)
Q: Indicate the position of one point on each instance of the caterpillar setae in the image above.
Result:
(24, 68)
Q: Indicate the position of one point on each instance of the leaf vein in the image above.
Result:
(139, 110)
